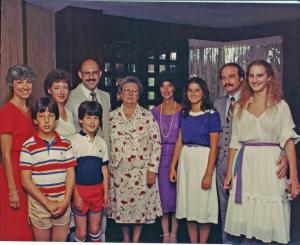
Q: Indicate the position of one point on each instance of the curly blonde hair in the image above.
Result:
(274, 93)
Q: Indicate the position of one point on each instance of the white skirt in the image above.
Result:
(264, 213)
(194, 203)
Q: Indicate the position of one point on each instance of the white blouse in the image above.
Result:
(65, 128)
(274, 125)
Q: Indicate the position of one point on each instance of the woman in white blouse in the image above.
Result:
(57, 84)
(258, 206)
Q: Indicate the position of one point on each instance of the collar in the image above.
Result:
(236, 96)
(82, 133)
(41, 141)
(87, 92)
(137, 108)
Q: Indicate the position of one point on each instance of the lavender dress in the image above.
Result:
(167, 190)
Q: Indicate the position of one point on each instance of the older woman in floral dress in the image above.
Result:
(135, 157)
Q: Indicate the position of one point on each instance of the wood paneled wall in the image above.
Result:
(40, 44)
(79, 36)
(11, 40)
(27, 36)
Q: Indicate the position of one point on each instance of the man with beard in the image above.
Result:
(231, 76)
(90, 74)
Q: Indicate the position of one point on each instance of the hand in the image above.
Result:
(282, 163)
(62, 207)
(206, 182)
(106, 200)
(14, 199)
(295, 188)
(172, 175)
(52, 206)
(151, 179)
(78, 202)
(227, 182)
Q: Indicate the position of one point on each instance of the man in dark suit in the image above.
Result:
(231, 76)
(90, 74)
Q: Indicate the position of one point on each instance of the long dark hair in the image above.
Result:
(206, 103)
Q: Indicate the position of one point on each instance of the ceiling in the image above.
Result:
(199, 13)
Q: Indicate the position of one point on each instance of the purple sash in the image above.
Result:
(238, 166)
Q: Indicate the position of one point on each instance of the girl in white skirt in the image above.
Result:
(258, 205)
(196, 149)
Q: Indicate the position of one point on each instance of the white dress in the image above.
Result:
(194, 203)
(65, 128)
(264, 212)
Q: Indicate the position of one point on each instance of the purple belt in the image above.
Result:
(238, 167)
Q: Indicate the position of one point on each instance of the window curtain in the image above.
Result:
(207, 57)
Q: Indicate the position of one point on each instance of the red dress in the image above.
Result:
(14, 224)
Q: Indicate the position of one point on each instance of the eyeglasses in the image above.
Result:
(128, 91)
(90, 73)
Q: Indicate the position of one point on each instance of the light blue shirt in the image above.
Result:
(236, 97)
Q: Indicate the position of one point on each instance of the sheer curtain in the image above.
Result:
(207, 57)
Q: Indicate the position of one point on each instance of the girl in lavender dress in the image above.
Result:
(196, 149)
(167, 116)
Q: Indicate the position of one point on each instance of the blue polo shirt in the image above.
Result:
(90, 156)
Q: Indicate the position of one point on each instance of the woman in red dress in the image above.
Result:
(15, 127)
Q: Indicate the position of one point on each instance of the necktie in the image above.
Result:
(230, 110)
(94, 97)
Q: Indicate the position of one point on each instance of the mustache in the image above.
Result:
(228, 85)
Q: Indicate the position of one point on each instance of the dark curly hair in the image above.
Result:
(56, 75)
(206, 103)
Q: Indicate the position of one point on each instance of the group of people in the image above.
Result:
(70, 161)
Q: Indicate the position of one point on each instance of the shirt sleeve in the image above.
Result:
(234, 140)
(286, 124)
(25, 159)
(155, 141)
(70, 160)
(215, 122)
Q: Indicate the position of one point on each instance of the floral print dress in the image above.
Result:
(135, 150)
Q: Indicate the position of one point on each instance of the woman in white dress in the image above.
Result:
(57, 84)
(258, 205)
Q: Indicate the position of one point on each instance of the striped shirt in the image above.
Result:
(48, 163)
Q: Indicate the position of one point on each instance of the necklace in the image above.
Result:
(160, 120)
(20, 106)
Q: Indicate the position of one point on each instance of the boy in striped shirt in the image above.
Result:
(47, 172)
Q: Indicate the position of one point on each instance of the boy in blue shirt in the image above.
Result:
(91, 189)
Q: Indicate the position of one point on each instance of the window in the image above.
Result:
(151, 81)
(207, 57)
(151, 68)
